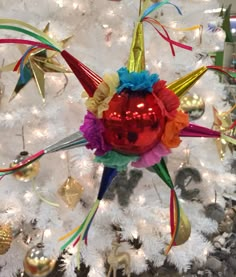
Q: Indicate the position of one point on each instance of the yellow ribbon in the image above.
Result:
(42, 198)
(69, 234)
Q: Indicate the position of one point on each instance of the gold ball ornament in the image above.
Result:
(5, 238)
(36, 263)
(184, 230)
(27, 173)
(193, 105)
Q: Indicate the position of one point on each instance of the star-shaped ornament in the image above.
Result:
(39, 62)
(222, 123)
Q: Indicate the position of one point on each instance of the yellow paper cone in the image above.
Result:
(136, 61)
(184, 230)
(181, 86)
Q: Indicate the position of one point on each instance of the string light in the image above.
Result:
(28, 196)
(143, 222)
(123, 38)
(60, 3)
(103, 206)
(111, 13)
(134, 234)
(47, 233)
(205, 174)
(202, 163)
(8, 116)
(63, 155)
(40, 134)
(141, 199)
(75, 5)
(34, 110)
(215, 10)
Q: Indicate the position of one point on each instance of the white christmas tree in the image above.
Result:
(101, 36)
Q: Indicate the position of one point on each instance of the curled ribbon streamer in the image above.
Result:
(76, 241)
(80, 232)
(26, 41)
(167, 38)
(154, 22)
(153, 8)
(3, 174)
(174, 219)
(74, 236)
(24, 31)
(192, 28)
(163, 173)
(43, 198)
(26, 162)
(157, 6)
(42, 35)
(69, 142)
(24, 58)
(69, 234)
(220, 69)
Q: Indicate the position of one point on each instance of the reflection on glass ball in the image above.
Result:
(193, 105)
(27, 173)
(133, 123)
(37, 263)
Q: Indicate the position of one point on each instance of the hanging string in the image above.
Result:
(68, 164)
(23, 137)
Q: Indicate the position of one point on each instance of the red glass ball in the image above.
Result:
(133, 123)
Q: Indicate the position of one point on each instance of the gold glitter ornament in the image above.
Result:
(71, 192)
(5, 238)
(37, 263)
(28, 172)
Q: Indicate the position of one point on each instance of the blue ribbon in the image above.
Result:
(157, 6)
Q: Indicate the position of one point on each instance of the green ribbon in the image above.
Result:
(21, 30)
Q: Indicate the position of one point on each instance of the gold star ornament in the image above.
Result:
(222, 123)
(38, 63)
